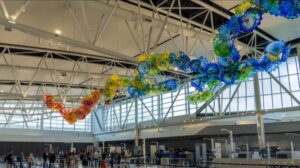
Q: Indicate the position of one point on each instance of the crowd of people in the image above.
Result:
(64, 159)
(10, 160)
(95, 159)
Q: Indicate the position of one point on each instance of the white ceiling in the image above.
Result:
(49, 15)
(279, 27)
(227, 4)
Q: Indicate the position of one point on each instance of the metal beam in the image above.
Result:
(81, 26)
(216, 118)
(4, 9)
(284, 88)
(233, 95)
(133, 36)
(226, 15)
(208, 102)
(148, 110)
(172, 24)
(127, 113)
(20, 10)
(171, 106)
(98, 36)
(116, 116)
(212, 109)
(60, 54)
(98, 120)
(47, 35)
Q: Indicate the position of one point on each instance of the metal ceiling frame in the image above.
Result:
(255, 42)
(167, 17)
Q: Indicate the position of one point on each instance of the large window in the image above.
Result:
(34, 115)
(272, 93)
(236, 99)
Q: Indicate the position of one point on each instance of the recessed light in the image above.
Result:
(12, 21)
(58, 32)
(24, 94)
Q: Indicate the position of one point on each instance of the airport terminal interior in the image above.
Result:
(149, 83)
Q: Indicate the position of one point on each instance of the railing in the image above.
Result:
(256, 163)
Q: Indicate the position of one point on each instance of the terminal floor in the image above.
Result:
(79, 166)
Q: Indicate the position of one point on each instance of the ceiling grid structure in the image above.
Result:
(68, 47)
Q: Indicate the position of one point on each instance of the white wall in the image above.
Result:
(167, 131)
(21, 135)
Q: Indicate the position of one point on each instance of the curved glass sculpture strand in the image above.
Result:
(207, 77)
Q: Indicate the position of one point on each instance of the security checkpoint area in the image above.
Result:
(149, 83)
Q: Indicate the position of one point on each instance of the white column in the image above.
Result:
(292, 150)
(269, 151)
(259, 115)
(212, 145)
(137, 136)
(260, 130)
(247, 149)
(95, 143)
(50, 146)
(298, 53)
(232, 151)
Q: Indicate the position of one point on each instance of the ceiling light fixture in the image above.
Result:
(58, 32)
(12, 21)
(24, 94)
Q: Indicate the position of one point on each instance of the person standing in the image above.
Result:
(72, 159)
(90, 158)
(30, 160)
(45, 158)
(103, 163)
(52, 159)
(61, 159)
(112, 159)
(20, 159)
(97, 158)
(9, 159)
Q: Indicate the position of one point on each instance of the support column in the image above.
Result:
(212, 145)
(137, 132)
(160, 115)
(42, 121)
(247, 149)
(232, 148)
(103, 146)
(50, 147)
(260, 130)
(137, 137)
(259, 115)
(95, 143)
(292, 150)
(268, 151)
(298, 54)
(144, 149)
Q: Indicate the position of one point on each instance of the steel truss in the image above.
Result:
(200, 16)
(22, 96)
(195, 22)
